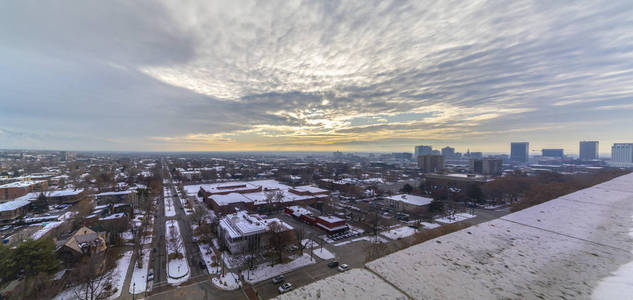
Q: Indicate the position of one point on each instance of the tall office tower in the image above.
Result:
(553, 153)
(622, 153)
(519, 151)
(589, 150)
(422, 150)
(448, 152)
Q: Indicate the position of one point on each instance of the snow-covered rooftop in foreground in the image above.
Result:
(577, 246)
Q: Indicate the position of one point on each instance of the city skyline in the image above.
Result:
(301, 76)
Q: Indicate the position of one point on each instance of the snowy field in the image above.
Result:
(139, 275)
(116, 275)
(207, 254)
(170, 209)
(228, 282)
(265, 271)
(454, 219)
(323, 253)
(399, 233)
(177, 269)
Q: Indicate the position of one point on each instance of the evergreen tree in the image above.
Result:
(8, 268)
(36, 256)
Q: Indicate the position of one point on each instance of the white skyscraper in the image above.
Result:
(622, 153)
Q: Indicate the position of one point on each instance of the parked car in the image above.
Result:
(293, 248)
(333, 264)
(150, 275)
(278, 279)
(343, 268)
(286, 287)
(202, 265)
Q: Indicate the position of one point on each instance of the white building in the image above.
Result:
(410, 203)
(622, 153)
(242, 231)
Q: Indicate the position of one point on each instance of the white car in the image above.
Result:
(286, 287)
(343, 268)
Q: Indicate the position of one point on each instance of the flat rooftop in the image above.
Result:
(577, 246)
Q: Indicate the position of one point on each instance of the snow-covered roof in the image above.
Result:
(411, 199)
(64, 193)
(298, 211)
(242, 224)
(230, 198)
(45, 229)
(14, 204)
(115, 193)
(309, 188)
(25, 183)
(331, 219)
(578, 244)
(238, 194)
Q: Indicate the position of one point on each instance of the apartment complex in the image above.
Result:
(20, 188)
(430, 163)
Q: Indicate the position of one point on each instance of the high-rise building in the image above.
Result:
(422, 150)
(448, 152)
(553, 153)
(588, 150)
(486, 166)
(430, 163)
(519, 151)
(622, 153)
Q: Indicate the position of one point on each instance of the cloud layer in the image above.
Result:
(314, 75)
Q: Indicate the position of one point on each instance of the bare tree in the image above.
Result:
(279, 238)
(93, 284)
(273, 198)
(175, 244)
(300, 234)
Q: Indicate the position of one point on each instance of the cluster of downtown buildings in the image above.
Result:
(430, 160)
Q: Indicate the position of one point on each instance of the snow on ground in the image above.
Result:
(429, 225)
(308, 243)
(127, 235)
(170, 210)
(44, 230)
(116, 275)
(265, 271)
(353, 284)
(454, 219)
(370, 239)
(399, 233)
(177, 269)
(323, 253)
(227, 282)
(119, 273)
(207, 255)
(138, 283)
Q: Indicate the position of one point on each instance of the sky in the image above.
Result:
(314, 75)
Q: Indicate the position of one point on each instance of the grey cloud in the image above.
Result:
(120, 69)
